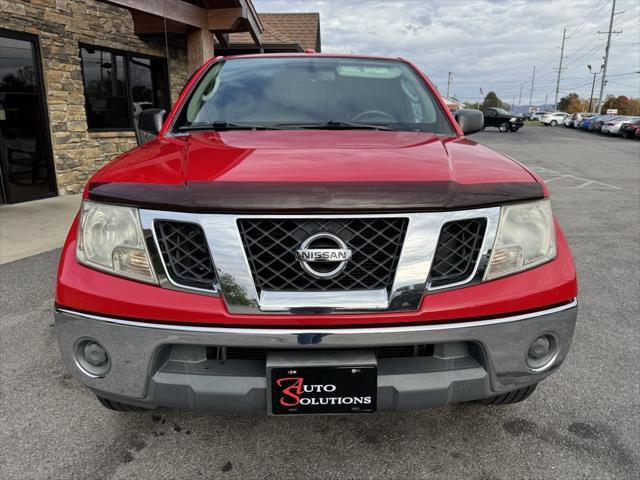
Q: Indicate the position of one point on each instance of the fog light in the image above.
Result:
(92, 358)
(542, 352)
(539, 347)
(95, 354)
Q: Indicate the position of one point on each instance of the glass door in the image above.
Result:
(26, 167)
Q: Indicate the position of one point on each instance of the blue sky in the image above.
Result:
(488, 44)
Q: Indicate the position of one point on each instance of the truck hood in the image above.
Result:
(312, 171)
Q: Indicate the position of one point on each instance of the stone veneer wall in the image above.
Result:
(61, 26)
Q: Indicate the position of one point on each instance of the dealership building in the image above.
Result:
(74, 74)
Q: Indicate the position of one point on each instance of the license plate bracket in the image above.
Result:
(317, 383)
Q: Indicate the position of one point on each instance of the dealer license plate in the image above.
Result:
(323, 390)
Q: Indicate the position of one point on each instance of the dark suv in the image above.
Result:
(503, 120)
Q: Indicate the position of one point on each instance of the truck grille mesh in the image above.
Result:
(185, 253)
(457, 252)
(270, 245)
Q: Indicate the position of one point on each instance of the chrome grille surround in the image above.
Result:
(238, 288)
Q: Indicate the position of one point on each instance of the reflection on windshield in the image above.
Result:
(313, 92)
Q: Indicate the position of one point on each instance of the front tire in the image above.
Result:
(511, 397)
(553, 123)
(120, 407)
(514, 128)
(503, 127)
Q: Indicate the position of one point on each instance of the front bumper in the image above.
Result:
(168, 365)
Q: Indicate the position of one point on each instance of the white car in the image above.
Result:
(537, 115)
(613, 125)
(554, 118)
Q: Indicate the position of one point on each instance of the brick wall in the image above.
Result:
(61, 26)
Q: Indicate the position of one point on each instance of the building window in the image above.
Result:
(119, 85)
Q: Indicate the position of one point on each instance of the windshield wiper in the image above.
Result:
(223, 125)
(336, 125)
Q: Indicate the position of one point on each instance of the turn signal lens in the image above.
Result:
(131, 262)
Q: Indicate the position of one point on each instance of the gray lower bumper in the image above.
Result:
(161, 365)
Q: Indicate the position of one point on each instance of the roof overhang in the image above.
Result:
(220, 17)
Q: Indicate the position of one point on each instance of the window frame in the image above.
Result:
(127, 55)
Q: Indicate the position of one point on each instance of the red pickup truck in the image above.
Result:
(308, 234)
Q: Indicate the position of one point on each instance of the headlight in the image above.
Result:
(525, 238)
(110, 239)
(513, 119)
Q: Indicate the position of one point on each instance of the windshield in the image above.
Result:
(502, 111)
(299, 92)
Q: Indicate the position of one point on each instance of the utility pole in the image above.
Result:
(533, 77)
(520, 98)
(606, 56)
(593, 86)
(564, 36)
(546, 97)
(448, 84)
(513, 103)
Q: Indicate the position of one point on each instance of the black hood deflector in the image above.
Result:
(335, 197)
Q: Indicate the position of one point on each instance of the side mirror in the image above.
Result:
(470, 121)
(149, 124)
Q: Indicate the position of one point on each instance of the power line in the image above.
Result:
(598, 7)
(624, 74)
(622, 84)
(597, 47)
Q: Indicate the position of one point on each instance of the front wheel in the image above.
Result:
(510, 397)
(503, 127)
(553, 123)
(513, 128)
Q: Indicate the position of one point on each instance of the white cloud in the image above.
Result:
(488, 44)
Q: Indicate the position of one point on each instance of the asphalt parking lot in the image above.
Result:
(582, 422)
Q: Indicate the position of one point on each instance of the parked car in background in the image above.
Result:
(538, 115)
(585, 123)
(628, 130)
(591, 123)
(554, 118)
(597, 126)
(503, 120)
(613, 126)
(576, 118)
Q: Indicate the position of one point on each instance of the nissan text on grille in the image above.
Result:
(313, 234)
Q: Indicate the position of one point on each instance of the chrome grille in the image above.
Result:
(457, 251)
(270, 245)
(186, 256)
